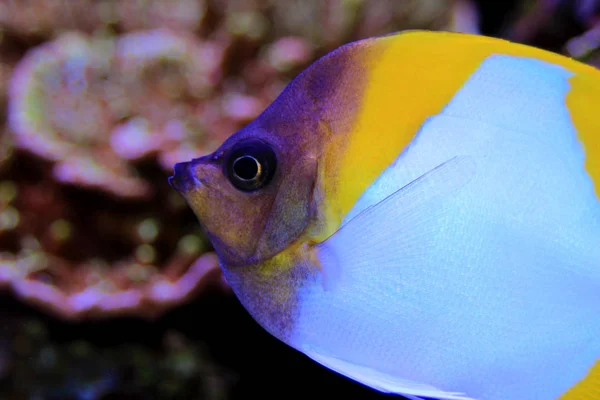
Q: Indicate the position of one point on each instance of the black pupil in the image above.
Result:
(250, 165)
(246, 168)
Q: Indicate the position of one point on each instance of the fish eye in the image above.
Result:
(250, 165)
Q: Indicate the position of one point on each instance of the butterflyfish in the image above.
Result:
(420, 213)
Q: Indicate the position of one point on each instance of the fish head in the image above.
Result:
(253, 195)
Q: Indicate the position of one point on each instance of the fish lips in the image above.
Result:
(184, 180)
(193, 175)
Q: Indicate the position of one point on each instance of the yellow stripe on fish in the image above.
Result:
(582, 101)
(588, 388)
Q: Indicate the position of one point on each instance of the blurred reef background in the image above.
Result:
(108, 290)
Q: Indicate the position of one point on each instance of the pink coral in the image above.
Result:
(95, 108)
(59, 111)
(78, 264)
(92, 104)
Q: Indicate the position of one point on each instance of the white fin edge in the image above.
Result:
(383, 382)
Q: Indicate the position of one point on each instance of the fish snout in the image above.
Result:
(183, 180)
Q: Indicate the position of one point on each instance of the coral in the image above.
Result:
(102, 111)
(59, 109)
(46, 17)
(81, 255)
(184, 15)
(94, 104)
(167, 79)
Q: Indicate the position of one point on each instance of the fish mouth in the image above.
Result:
(183, 180)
